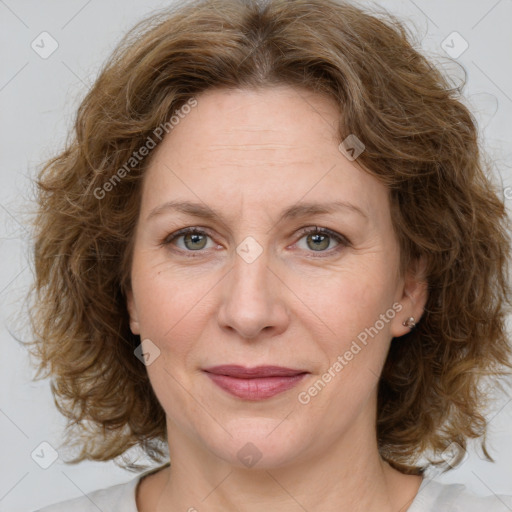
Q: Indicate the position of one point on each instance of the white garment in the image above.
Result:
(432, 496)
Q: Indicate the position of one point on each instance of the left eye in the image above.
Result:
(319, 239)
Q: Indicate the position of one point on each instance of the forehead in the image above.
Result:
(260, 148)
(245, 119)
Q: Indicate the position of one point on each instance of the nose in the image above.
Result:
(253, 300)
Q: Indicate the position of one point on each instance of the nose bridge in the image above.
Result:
(251, 268)
(252, 302)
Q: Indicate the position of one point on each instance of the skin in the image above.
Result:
(250, 154)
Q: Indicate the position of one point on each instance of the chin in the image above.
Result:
(258, 444)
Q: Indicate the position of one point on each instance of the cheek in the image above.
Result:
(351, 298)
(172, 312)
(355, 309)
(171, 306)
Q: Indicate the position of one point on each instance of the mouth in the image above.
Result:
(256, 383)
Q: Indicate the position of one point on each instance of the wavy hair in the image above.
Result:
(420, 141)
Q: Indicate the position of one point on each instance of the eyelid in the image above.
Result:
(185, 231)
(320, 230)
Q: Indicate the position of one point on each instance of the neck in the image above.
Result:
(348, 476)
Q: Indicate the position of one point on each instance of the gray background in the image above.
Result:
(38, 98)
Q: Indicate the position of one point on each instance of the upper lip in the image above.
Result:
(242, 372)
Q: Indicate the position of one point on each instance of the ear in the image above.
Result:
(414, 294)
(132, 311)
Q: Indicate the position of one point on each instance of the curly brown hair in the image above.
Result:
(420, 141)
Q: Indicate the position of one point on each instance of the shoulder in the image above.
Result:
(438, 497)
(116, 498)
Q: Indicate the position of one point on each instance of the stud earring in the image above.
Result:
(409, 323)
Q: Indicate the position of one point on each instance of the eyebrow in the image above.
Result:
(293, 212)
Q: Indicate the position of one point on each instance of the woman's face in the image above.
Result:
(253, 288)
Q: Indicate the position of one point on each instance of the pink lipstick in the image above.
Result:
(256, 383)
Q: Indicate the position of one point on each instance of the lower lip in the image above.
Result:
(255, 389)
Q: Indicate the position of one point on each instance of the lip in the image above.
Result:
(241, 372)
(257, 383)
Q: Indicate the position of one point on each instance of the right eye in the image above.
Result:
(193, 239)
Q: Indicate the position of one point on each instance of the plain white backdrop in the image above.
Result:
(39, 93)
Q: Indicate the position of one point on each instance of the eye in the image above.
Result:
(193, 239)
(320, 239)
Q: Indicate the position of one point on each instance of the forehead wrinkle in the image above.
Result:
(252, 130)
(238, 147)
(260, 163)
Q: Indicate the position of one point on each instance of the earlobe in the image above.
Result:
(413, 300)
(132, 311)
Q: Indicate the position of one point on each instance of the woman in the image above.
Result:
(272, 253)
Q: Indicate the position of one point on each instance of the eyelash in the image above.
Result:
(342, 240)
